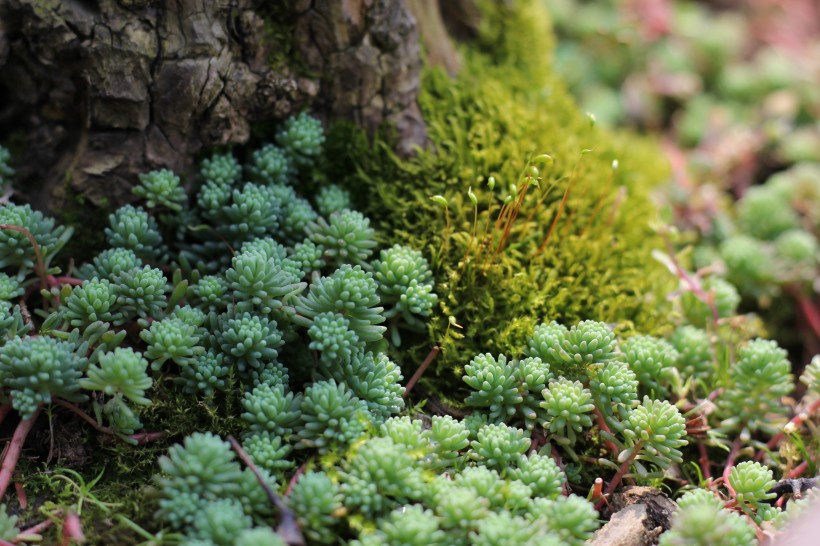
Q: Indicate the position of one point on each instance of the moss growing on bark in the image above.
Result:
(574, 241)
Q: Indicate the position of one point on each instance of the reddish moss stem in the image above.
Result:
(14, 449)
(431, 356)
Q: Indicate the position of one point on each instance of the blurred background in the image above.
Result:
(732, 88)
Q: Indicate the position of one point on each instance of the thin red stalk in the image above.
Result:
(796, 421)
(616, 479)
(288, 528)
(730, 462)
(295, 478)
(810, 311)
(85, 417)
(475, 233)
(39, 267)
(506, 235)
(798, 470)
(5, 543)
(431, 356)
(703, 460)
(14, 450)
(597, 492)
(36, 529)
(72, 530)
(557, 217)
(541, 199)
(599, 419)
(694, 286)
(22, 498)
(243, 456)
(59, 281)
(147, 437)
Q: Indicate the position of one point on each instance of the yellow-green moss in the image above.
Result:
(505, 108)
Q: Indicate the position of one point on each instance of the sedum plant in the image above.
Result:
(346, 237)
(161, 188)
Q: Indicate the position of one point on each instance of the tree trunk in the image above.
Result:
(94, 92)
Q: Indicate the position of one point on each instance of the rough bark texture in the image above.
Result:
(639, 516)
(99, 91)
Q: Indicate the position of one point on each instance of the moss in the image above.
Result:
(280, 51)
(89, 223)
(505, 108)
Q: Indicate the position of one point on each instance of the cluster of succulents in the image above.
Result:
(739, 115)
(278, 310)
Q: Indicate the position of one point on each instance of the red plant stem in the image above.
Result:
(616, 479)
(22, 498)
(798, 470)
(288, 528)
(730, 462)
(39, 267)
(22, 536)
(14, 450)
(599, 419)
(148, 437)
(59, 281)
(72, 530)
(295, 478)
(431, 356)
(85, 417)
(810, 311)
(703, 460)
(597, 492)
(797, 421)
(693, 285)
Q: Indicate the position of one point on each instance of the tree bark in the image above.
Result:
(98, 91)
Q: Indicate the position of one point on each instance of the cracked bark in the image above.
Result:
(101, 90)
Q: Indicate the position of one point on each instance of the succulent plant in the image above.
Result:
(331, 416)
(302, 137)
(37, 369)
(317, 501)
(161, 187)
(220, 169)
(350, 291)
(134, 229)
(270, 165)
(346, 237)
(498, 445)
(332, 198)
(270, 408)
(120, 372)
(567, 405)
